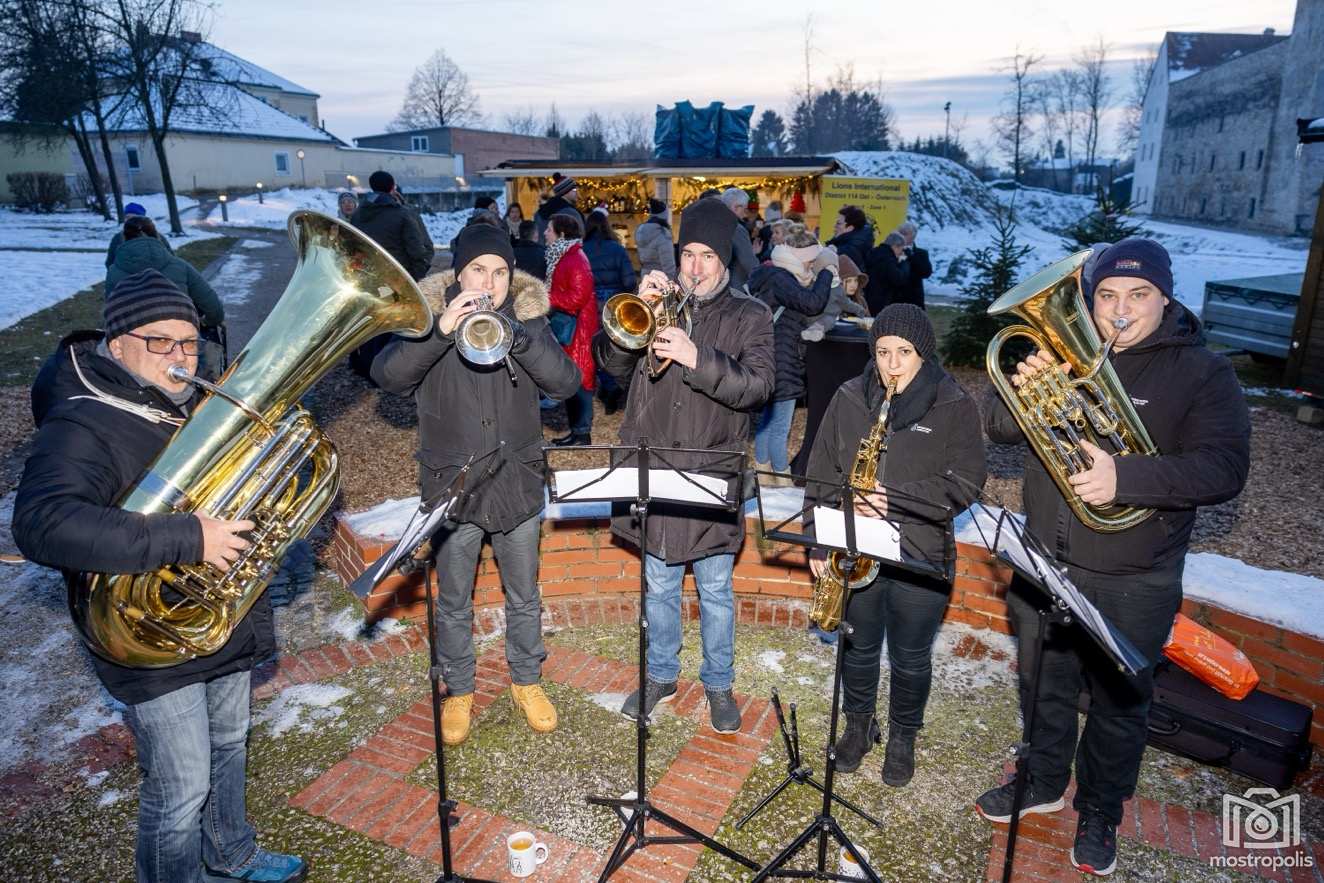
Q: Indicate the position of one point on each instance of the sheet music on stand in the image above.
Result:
(1015, 547)
(707, 478)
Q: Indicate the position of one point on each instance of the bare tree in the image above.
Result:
(1012, 124)
(438, 94)
(554, 126)
(1095, 93)
(523, 122)
(1133, 106)
(1048, 126)
(1064, 87)
(631, 138)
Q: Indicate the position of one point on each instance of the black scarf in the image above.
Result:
(910, 406)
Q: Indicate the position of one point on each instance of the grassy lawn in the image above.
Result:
(26, 344)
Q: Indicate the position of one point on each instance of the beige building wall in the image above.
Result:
(34, 157)
(302, 107)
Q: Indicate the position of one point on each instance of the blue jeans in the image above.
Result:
(717, 619)
(192, 752)
(579, 411)
(774, 428)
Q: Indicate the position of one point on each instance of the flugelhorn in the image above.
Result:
(484, 337)
(1056, 411)
(633, 321)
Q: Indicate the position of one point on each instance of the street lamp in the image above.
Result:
(259, 192)
(225, 210)
(302, 174)
(947, 130)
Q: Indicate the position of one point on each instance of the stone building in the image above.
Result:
(1218, 130)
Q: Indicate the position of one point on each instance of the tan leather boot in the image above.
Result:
(537, 708)
(456, 716)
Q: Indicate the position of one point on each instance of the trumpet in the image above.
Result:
(633, 322)
(484, 337)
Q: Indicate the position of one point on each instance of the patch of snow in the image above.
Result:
(35, 280)
(348, 623)
(224, 108)
(772, 660)
(610, 701)
(943, 193)
(275, 208)
(237, 278)
(256, 244)
(389, 626)
(113, 796)
(443, 226)
(94, 780)
(1272, 391)
(304, 706)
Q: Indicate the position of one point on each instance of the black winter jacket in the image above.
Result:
(1191, 403)
(924, 443)
(889, 278)
(612, 270)
(778, 288)
(86, 456)
(708, 407)
(918, 268)
(855, 244)
(396, 229)
(531, 258)
(465, 410)
(555, 206)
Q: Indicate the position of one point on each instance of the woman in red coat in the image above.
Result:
(570, 279)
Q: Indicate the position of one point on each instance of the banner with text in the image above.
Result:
(884, 202)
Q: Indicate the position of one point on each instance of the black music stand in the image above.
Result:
(634, 811)
(1062, 605)
(825, 824)
(401, 557)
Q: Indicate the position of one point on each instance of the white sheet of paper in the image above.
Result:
(623, 484)
(874, 537)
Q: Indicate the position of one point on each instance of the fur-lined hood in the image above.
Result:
(529, 293)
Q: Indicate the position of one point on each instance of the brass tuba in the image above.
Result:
(1056, 411)
(632, 322)
(249, 450)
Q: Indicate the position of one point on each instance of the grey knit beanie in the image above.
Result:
(908, 322)
(142, 299)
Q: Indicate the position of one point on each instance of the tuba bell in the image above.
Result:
(1056, 411)
(250, 451)
(632, 321)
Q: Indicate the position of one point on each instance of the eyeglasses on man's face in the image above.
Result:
(164, 346)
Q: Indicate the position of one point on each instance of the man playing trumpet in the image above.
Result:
(723, 370)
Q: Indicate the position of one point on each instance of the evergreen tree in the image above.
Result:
(768, 138)
(1106, 223)
(996, 269)
(837, 119)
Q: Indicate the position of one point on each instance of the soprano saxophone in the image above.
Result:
(830, 586)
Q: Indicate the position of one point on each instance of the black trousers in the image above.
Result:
(907, 613)
(1107, 758)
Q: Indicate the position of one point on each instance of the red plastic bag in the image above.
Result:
(1210, 658)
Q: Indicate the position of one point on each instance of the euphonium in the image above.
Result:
(632, 322)
(1056, 411)
(829, 599)
(249, 451)
(484, 337)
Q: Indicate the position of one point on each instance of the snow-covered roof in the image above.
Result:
(1190, 52)
(233, 112)
(230, 67)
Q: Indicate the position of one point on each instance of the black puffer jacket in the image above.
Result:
(396, 229)
(465, 410)
(855, 244)
(708, 408)
(932, 431)
(1191, 404)
(779, 289)
(87, 454)
(889, 279)
(918, 268)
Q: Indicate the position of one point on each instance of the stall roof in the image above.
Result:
(747, 167)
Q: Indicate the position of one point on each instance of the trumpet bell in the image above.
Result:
(628, 321)
(484, 338)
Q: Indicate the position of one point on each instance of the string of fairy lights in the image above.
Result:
(629, 194)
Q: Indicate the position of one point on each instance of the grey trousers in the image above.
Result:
(457, 550)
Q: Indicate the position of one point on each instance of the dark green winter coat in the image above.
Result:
(147, 253)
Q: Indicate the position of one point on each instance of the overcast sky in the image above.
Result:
(617, 57)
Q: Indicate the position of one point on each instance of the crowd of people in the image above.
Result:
(108, 401)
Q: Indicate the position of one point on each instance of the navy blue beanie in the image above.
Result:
(1135, 257)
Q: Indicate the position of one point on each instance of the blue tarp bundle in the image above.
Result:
(712, 132)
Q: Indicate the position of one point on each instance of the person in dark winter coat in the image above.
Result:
(918, 266)
(794, 287)
(852, 235)
(530, 255)
(1191, 405)
(142, 250)
(612, 270)
(743, 261)
(565, 193)
(570, 292)
(466, 410)
(131, 210)
(929, 431)
(393, 226)
(105, 407)
(653, 243)
(722, 371)
(889, 274)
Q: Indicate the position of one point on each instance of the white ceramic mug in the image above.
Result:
(525, 853)
(847, 866)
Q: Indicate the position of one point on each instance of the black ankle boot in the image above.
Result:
(899, 762)
(574, 438)
(861, 735)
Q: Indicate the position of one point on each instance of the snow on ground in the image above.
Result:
(305, 706)
(238, 276)
(275, 208)
(772, 660)
(35, 280)
(442, 226)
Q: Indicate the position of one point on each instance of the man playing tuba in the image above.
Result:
(1190, 402)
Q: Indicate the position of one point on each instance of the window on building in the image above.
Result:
(1211, 162)
(282, 162)
(134, 160)
(1252, 206)
(419, 143)
(1259, 159)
